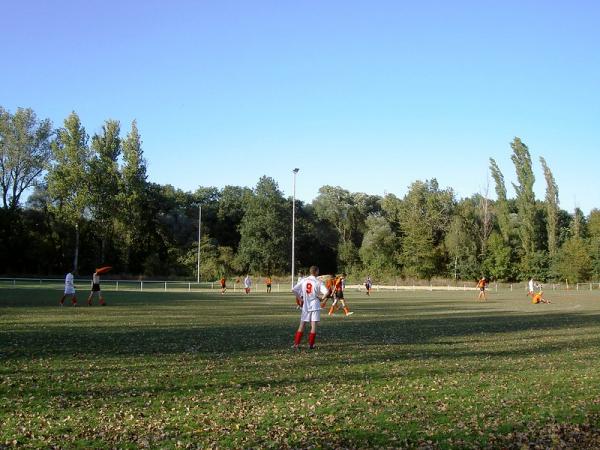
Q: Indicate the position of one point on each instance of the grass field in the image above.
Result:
(410, 369)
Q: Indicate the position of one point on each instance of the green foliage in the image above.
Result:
(594, 242)
(498, 263)
(346, 212)
(133, 220)
(68, 175)
(573, 261)
(265, 242)
(105, 182)
(24, 153)
(552, 209)
(501, 206)
(379, 247)
(96, 200)
(424, 216)
(461, 242)
(525, 198)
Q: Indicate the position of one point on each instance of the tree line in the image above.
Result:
(89, 202)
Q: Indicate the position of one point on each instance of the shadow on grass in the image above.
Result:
(75, 339)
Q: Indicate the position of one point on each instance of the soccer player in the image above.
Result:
(223, 285)
(69, 290)
(530, 287)
(539, 298)
(268, 282)
(247, 284)
(312, 291)
(482, 284)
(368, 285)
(339, 284)
(96, 290)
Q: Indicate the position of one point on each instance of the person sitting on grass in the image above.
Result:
(539, 298)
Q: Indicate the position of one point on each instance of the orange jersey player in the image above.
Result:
(268, 282)
(339, 285)
(329, 281)
(223, 285)
(539, 298)
(482, 284)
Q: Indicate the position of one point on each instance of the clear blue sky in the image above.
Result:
(225, 92)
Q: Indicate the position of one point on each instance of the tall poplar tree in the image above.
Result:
(552, 209)
(133, 193)
(502, 210)
(68, 176)
(104, 189)
(525, 200)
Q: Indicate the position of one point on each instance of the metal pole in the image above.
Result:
(199, 236)
(295, 171)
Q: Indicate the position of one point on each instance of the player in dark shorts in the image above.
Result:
(96, 290)
(339, 296)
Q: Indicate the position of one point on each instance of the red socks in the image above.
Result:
(298, 339)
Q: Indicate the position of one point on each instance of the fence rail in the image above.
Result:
(192, 286)
(133, 285)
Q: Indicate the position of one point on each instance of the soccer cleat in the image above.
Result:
(349, 313)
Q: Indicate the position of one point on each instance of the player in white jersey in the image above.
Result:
(247, 284)
(69, 290)
(312, 291)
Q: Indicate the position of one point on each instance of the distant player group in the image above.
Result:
(534, 290)
(95, 291)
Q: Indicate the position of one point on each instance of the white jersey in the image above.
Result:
(69, 284)
(531, 285)
(310, 289)
(247, 282)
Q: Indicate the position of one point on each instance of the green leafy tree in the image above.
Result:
(24, 153)
(462, 240)
(230, 212)
(134, 220)
(68, 177)
(594, 242)
(265, 230)
(425, 215)
(573, 261)
(105, 181)
(525, 200)
(346, 213)
(379, 246)
(502, 209)
(498, 262)
(552, 209)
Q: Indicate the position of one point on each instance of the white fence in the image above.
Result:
(135, 285)
(182, 286)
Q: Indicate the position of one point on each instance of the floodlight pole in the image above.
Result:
(295, 172)
(199, 236)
